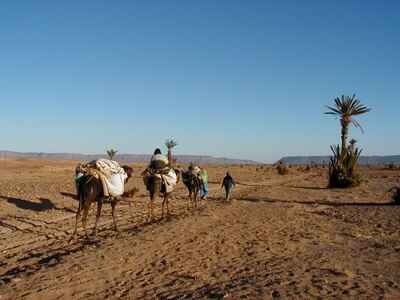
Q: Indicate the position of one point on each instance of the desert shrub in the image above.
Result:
(395, 194)
(390, 166)
(282, 168)
(343, 168)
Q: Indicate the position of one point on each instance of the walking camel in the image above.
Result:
(156, 188)
(193, 185)
(90, 190)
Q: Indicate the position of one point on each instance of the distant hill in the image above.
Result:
(126, 158)
(364, 160)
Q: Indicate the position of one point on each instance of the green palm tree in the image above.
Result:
(170, 144)
(111, 153)
(352, 145)
(347, 108)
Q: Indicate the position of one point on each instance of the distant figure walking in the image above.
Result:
(203, 174)
(228, 183)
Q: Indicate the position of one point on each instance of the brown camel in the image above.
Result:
(193, 184)
(157, 189)
(90, 189)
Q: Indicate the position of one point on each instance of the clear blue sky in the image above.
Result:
(244, 79)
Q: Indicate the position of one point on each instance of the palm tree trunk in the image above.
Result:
(170, 157)
(344, 136)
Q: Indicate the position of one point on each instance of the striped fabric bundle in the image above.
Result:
(111, 174)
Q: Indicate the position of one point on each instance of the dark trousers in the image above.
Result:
(228, 191)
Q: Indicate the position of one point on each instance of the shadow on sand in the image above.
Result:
(45, 204)
(307, 187)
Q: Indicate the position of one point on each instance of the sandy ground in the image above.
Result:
(284, 237)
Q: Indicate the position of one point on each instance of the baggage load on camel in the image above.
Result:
(159, 162)
(169, 180)
(168, 177)
(111, 174)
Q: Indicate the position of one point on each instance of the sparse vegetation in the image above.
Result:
(395, 194)
(390, 166)
(352, 145)
(111, 153)
(260, 168)
(343, 168)
(343, 163)
(282, 168)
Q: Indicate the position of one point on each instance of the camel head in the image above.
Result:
(129, 171)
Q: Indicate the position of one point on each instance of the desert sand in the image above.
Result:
(284, 237)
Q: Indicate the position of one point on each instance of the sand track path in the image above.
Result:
(263, 245)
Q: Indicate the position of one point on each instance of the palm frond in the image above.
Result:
(358, 125)
(347, 107)
(333, 111)
(171, 143)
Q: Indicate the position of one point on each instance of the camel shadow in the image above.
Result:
(45, 204)
(48, 260)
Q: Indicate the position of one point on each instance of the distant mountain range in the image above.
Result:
(126, 158)
(198, 159)
(364, 160)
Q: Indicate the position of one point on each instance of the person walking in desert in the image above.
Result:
(228, 183)
(203, 174)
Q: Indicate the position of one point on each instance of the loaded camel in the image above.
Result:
(157, 188)
(193, 185)
(90, 190)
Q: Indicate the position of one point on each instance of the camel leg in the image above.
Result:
(130, 209)
(113, 205)
(167, 202)
(190, 200)
(99, 205)
(148, 210)
(162, 207)
(78, 215)
(195, 198)
(150, 207)
(84, 216)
